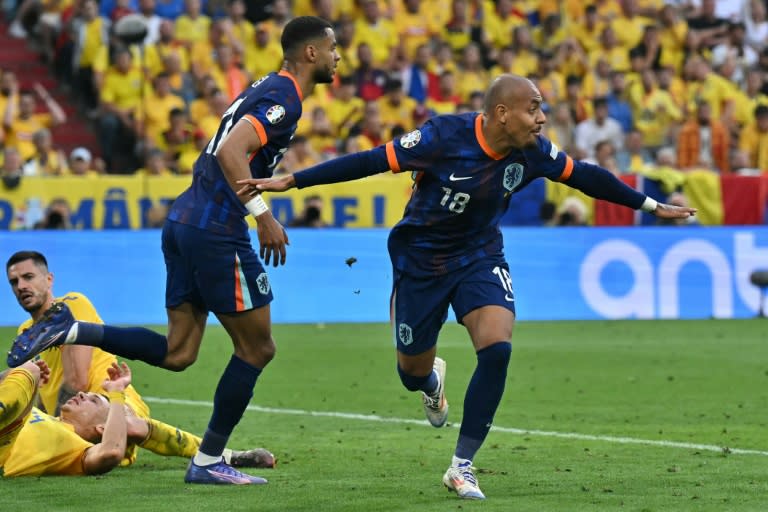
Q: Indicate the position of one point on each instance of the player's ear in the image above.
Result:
(99, 429)
(310, 51)
(501, 113)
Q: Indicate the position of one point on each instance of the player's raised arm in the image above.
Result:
(107, 454)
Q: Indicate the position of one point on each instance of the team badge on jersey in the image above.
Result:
(513, 176)
(410, 139)
(263, 283)
(405, 334)
(275, 114)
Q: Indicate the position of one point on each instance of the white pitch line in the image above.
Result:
(509, 430)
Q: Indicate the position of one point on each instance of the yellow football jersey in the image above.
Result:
(17, 394)
(83, 310)
(46, 446)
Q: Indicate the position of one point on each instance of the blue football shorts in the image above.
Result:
(420, 305)
(215, 272)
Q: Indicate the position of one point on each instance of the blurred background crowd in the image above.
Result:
(636, 86)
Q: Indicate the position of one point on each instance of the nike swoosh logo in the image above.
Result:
(459, 178)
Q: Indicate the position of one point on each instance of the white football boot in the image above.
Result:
(461, 479)
(435, 404)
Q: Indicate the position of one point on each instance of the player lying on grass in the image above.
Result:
(75, 369)
(92, 433)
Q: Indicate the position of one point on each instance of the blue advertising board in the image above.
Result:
(558, 273)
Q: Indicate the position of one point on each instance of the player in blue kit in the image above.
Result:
(448, 249)
(211, 265)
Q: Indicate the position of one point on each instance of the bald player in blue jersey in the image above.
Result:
(211, 265)
(448, 249)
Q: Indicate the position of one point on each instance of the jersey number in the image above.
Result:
(228, 115)
(458, 201)
(506, 282)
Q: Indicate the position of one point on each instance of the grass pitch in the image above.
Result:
(635, 415)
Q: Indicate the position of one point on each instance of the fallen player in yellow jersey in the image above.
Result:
(93, 432)
(76, 369)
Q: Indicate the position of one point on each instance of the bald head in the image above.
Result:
(507, 89)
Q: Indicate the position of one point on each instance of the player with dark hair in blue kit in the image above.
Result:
(448, 249)
(210, 263)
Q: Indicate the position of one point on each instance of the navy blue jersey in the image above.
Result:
(273, 106)
(461, 192)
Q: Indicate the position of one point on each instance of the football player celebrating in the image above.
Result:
(448, 249)
(211, 265)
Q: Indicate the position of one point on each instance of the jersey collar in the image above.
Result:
(288, 74)
(481, 139)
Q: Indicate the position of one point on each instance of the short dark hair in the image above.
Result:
(761, 111)
(301, 30)
(20, 256)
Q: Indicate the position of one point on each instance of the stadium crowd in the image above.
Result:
(633, 85)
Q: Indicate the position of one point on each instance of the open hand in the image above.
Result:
(252, 186)
(272, 239)
(119, 377)
(668, 211)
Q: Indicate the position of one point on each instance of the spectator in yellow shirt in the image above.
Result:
(655, 113)
(242, 28)
(500, 21)
(395, 108)
(610, 49)
(446, 99)
(673, 32)
(416, 25)
(753, 140)
(474, 77)
(549, 34)
(629, 26)
(378, 33)
(587, 33)
(167, 44)
(155, 165)
(345, 109)
(91, 38)
(192, 26)
(20, 128)
(157, 108)
(46, 161)
(526, 58)
(120, 99)
(264, 55)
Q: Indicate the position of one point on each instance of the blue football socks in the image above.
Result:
(128, 342)
(483, 397)
(232, 396)
(427, 384)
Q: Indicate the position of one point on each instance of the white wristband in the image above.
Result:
(649, 205)
(257, 206)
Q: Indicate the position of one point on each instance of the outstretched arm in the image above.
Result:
(600, 183)
(346, 168)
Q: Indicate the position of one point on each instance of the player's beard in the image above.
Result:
(323, 76)
(33, 307)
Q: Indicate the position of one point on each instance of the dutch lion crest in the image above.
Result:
(405, 334)
(263, 283)
(513, 176)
